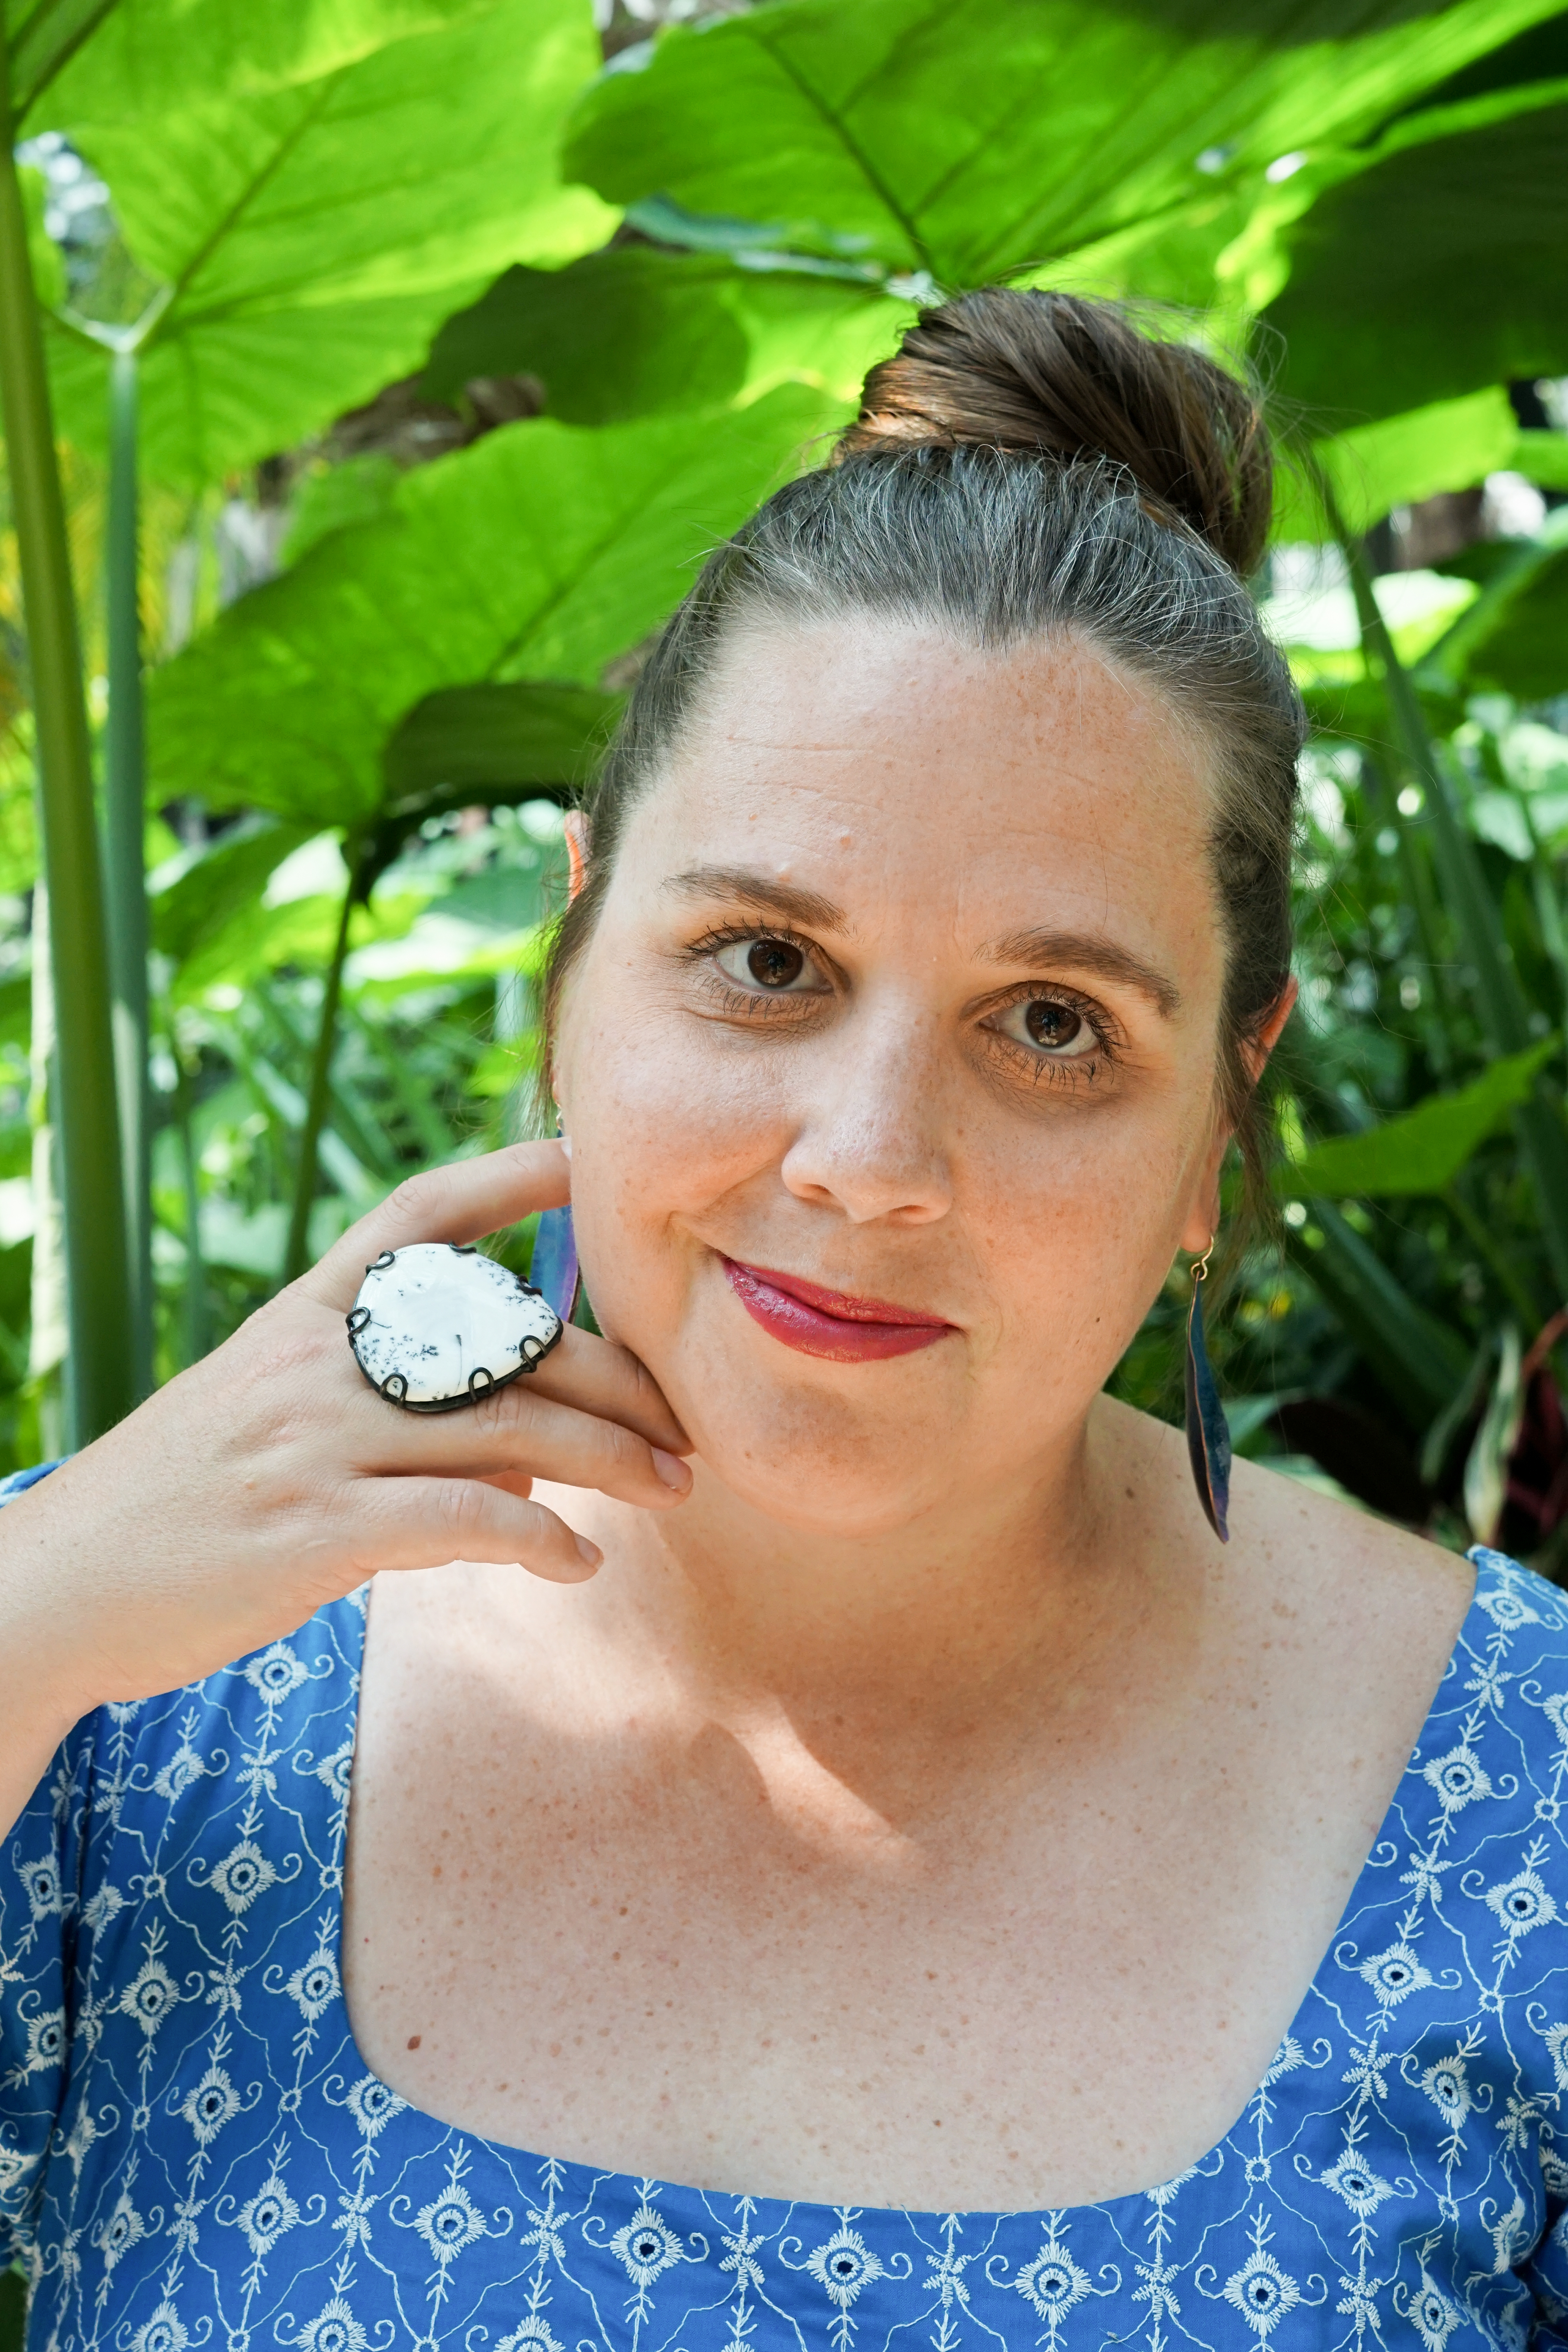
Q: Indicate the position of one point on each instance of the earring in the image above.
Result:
(1208, 1432)
(553, 1268)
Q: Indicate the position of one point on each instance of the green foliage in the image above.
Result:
(633, 332)
(320, 204)
(42, 37)
(1424, 1149)
(303, 214)
(972, 142)
(542, 552)
(1439, 269)
(1450, 445)
(13, 2310)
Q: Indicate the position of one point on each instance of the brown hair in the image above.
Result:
(1029, 463)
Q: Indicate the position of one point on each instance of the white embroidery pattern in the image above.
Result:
(192, 2157)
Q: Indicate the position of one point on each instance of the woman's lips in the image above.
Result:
(830, 1322)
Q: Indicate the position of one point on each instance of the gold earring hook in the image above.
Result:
(1200, 1266)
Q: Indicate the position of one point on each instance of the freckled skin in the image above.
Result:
(929, 1811)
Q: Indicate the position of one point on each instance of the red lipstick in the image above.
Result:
(830, 1323)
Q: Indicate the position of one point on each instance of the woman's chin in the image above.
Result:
(812, 1461)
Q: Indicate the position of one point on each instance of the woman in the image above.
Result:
(911, 1879)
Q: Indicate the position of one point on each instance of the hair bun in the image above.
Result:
(1007, 368)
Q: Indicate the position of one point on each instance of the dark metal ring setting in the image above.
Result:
(436, 1326)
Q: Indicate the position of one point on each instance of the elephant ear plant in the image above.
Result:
(273, 274)
(611, 314)
(108, 1367)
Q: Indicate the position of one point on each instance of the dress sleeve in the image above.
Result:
(40, 1896)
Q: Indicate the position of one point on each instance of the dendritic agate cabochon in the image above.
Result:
(444, 1326)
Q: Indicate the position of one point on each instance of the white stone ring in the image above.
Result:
(436, 1326)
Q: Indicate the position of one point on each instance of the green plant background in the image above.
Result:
(455, 349)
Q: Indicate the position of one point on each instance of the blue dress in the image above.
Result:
(195, 2158)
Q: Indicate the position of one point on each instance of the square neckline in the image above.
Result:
(1488, 1564)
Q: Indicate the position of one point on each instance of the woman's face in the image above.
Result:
(905, 988)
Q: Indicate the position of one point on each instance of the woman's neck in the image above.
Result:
(936, 1629)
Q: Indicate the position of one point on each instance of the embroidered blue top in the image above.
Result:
(192, 2154)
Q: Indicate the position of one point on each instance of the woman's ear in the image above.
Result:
(1257, 1050)
(1203, 1222)
(576, 831)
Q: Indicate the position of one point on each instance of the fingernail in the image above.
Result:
(672, 1470)
(590, 1553)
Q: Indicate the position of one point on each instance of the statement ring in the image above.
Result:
(436, 1326)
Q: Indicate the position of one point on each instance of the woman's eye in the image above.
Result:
(1051, 1026)
(777, 967)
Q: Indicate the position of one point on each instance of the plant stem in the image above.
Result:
(198, 1338)
(297, 1255)
(101, 1372)
(125, 879)
(1504, 1013)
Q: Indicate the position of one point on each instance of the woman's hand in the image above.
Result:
(272, 1478)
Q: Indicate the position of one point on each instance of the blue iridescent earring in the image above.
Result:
(554, 1268)
(1208, 1432)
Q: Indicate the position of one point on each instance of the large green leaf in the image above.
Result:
(41, 39)
(1542, 457)
(495, 743)
(1439, 269)
(1423, 1150)
(156, 57)
(307, 235)
(972, 140)
(1450, 445)
(634, 332)
(540, 552)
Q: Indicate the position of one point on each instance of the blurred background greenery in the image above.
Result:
(405, 356)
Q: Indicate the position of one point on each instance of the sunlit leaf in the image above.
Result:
(41, 39)
(309, 234)
(972, 140)
(1486, 1469)
(1543, 457)
(1447, 446)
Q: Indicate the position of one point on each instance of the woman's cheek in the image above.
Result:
(664, 1128)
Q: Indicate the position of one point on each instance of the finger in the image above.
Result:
(600, 1378)
(428, 1522)
(510, 1481)
(454, 1203)
(518, 1429)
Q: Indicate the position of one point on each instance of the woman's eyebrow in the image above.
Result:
(765, 892)
(1083, 952)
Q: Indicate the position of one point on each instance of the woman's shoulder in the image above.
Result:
(287, 1706)
(160, 1823)
(139, 1772)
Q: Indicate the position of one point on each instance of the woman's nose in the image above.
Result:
(872, 1139)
